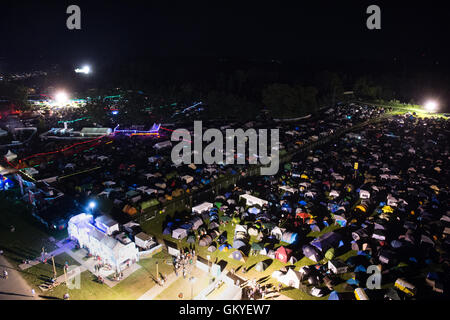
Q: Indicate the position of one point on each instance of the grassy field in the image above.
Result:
(29, 237)
(129, 289)
(154, 227)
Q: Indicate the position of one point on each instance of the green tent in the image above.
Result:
(218, 204)
(287, 166)
(330, 254)
(225, 218)
(257, 246)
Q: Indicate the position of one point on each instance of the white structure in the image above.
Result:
(106, 224)
(251, 200)
(144, 240)
(205, 206)
(179, 233)
(111, 251)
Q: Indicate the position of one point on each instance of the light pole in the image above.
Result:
(92, 206)
(192, 280)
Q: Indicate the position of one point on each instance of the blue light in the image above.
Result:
(92, 204)
(115, 112)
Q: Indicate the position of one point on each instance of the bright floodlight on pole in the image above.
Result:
(431, 106)
(84, 69)
(61, 97)
(92, 204)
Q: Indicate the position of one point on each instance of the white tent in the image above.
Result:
(10, 156)
(364, 194)
(251, 200)
(240, 228)
(187, 179)
(291, 278)
(334, 194)
(179, 233)
(205, 206)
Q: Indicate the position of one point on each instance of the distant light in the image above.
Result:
(92, 204)
(115, 112)
(431, 106)
(85, 70)
(61, 97)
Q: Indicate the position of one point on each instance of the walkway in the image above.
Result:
(156, 289)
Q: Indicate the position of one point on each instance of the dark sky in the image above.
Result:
(256, 29)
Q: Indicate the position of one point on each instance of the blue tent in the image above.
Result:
(326, 241)
(396, 244)
(314, 227)
(334, 296)
(186, 226)
(302, 202)
(225, 247)
(167, 231)
(360, 268)
(353, 282)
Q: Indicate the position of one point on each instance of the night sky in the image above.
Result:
(256, 30)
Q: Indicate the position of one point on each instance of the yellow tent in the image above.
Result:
(387, 209)
(362, 208)
(304, 176)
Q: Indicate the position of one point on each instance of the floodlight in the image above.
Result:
(431, 106)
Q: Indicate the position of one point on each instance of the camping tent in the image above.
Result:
(237, 244)
(283, 254)
(311, 253)
(334, 295)
(261, 266)
(224, 247)
(326, 241)
(205, 241)
(289, 237)
(212, 248)
(237, 255)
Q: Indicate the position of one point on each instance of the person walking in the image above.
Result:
(33, 292)
(5, 274)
